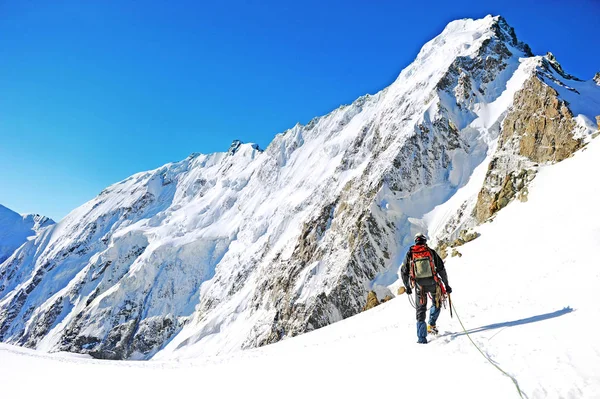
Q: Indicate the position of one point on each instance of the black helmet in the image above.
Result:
(420, 238)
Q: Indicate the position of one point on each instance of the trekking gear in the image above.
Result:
(448, 290)
(422, 265)
(424, 270)
(432, 330)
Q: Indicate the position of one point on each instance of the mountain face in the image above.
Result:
(235, 250)
(15, 229)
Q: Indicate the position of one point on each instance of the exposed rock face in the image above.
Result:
(500, 189)
(538, 129)
(507, 33)
(455, 252)
(542, 123)
(464, 237)
(597, 78)
(550, 60)
(372, 301)
(386, 298)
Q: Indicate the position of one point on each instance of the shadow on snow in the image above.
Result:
(519, 322)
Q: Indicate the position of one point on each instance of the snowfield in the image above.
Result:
(526, 290)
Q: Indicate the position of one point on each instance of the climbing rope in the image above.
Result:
(413, 302)
(484, 355)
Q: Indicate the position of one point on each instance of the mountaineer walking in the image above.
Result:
(424, 269)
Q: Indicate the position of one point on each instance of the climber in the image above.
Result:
(423, 269)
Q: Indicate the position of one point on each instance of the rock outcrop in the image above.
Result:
(541, 123)
(464, 237)
(539, 129)
(372, 301)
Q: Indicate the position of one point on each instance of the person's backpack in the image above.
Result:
(422, 265)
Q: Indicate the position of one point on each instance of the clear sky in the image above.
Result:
(94, 91)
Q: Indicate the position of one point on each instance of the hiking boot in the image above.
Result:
(422, 341)
(432, 330)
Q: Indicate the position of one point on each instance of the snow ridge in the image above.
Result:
(15, 229)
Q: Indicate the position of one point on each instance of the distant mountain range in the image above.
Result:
(15, 229)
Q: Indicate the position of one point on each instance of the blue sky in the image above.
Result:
(94, 91)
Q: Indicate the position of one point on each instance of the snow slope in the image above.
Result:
(15, 229)
(524, 289)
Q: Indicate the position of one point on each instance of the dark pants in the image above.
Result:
(422, 310)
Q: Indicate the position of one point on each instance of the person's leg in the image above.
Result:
(421, 296)
(434, 312)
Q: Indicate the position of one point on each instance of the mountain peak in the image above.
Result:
(463, 39)
(37, 221)
(15, 229)
(507, 33)
(497, 25)
(550, 61)
(237, 144)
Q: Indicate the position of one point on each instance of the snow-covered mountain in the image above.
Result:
(513, 291)
(15, 229)
(239, 249)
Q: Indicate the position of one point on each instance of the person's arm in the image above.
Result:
(441, 269)
(404, 272)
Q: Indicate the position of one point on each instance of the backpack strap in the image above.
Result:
(411, 267)
(436, 277)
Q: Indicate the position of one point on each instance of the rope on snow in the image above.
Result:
(514, 380)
